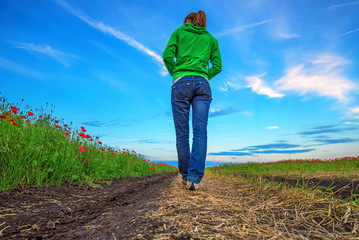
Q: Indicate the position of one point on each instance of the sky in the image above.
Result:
(288, 88)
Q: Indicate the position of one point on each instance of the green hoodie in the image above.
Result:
(193, 48)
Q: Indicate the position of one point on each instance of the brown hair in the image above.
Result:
(189, 18)
(200, 19)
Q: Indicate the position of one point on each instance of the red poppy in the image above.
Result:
(96, 137)
(64, 137)
(56, 121)
(99, 142)
(113, 153)
(65, 125)
(3, 116)
(30, 113)
(102, 149)
(82, 134)
(91, 139)
(13, 122)
(82, 148)
(85, 161)
(58, 126)
(83, 129)
(66, 132)
(131, 162)
(14, 109)
(87, 136)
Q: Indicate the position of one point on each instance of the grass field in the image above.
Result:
(38, 149)
(337, 178)
(339, 168)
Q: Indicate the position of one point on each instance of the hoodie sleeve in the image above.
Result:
(215, 60)
(170, 52)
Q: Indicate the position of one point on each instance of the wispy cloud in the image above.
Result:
(343, 5)
(281, 27)
(15, 67)
(115, 122)
(290, 151)
(240, 28)
(355, 110)
(216, 112)
(232, 83)
(321, 76)
(231, 154)
(269, 146)
(47, 50)
(336, 141)
(346, 33)
(117, 34)
(351, 123)
(147, 140)
(272, 127)
(257, 85)
(326, 129)
(272, 148)
(284, 34)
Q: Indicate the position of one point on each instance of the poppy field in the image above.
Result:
(37, 148)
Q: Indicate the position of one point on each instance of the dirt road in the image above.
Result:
(157, 207)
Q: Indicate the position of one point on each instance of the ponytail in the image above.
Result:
(200, 19)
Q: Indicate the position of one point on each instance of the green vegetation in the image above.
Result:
(341, 168)
(37, 149)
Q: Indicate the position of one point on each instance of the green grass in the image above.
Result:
(341, 168)
(43, 150)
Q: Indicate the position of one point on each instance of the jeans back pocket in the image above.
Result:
(181, 92)
(203, 89)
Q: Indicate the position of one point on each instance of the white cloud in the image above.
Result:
(258, 86)
(343, 5)
(233, 84)
(15, 67)
(346, 33)
(117, 34)
(240, 28)
(272, 127)
(47, 50)
(281, 29)
(355, 110)
(230, 84)
(321, 76)
(351, 123)
(160, 101)
(287, 35)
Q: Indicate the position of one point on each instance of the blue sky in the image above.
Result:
(288, 89)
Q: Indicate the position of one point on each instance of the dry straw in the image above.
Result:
(225, 209)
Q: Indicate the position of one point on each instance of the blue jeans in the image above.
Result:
(187, 91)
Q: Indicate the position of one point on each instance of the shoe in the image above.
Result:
(184, 182)
(193, 186)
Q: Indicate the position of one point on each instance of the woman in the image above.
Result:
(193, 47)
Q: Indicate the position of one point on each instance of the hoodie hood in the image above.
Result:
(193, 47)
(195, 29)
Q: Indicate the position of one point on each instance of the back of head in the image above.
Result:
(200, 19)
(189, 18)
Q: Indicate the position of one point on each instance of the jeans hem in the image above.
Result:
(194, 179)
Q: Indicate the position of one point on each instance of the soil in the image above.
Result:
(158, 207)
(76, 211)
